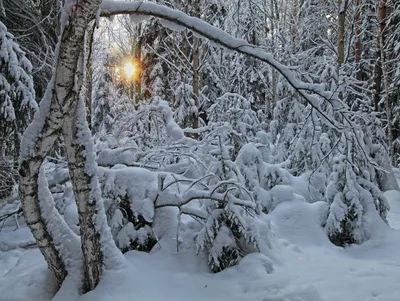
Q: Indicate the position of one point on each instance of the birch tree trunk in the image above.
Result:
(89, 73)
(82, 177)
(83, 173)
(39, 138)
(29, 191)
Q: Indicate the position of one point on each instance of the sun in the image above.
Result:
(129, 69)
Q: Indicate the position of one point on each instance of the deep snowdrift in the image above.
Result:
(303, 265)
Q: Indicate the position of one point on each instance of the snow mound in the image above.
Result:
(9, 259)
(71, 218)
(173, 278)
(300, 222)
(11, 239)
(310, 187)
(111, 157)
(302, 294)
(137, 184)
(256, 265)
(28, 278)
(393, 197)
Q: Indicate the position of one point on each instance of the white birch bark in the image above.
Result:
(30, 163)
(97, 243)
(85, 202)
(62, 92)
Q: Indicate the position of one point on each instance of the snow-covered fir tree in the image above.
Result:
(17, 95)
(230, 229)
(234, 113)
(344, 224)
(102, 118)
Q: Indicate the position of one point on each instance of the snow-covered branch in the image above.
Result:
(195, 194)
(178, 20)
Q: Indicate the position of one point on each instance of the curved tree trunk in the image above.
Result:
(30, 164)
(62, 92)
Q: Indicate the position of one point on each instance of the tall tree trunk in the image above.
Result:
(17, 144)
(196, 83)
(274, 75)
(357, 46)
(82, 177)
(341, 27)
(185, 42)
(89, 74)
(377, 82)
(382, 14)
(138, 58)
(195, 69)
(293, 25)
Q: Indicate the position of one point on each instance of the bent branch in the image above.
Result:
(221, 38)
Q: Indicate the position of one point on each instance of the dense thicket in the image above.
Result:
(350, 48)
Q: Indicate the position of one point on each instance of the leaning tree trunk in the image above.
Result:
(29, 190)
(62, 93)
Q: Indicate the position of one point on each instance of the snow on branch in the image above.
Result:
(195, 194)
(310, 92)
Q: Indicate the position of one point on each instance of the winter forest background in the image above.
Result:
(134, 127)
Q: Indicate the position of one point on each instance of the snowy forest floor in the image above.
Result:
(306, 267)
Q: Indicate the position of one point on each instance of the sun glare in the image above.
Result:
(129, 69)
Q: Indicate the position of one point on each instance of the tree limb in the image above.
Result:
(220, 37)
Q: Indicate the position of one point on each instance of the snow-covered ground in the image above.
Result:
(303, 266)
